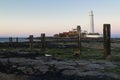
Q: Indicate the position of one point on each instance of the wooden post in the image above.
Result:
(10, 41)
(16, 44)
(43, 41)
(106, 36)
(79, 40)
(31, 41)
(16, 39)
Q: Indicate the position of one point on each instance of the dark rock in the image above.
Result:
(53, 69)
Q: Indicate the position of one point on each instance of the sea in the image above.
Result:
(5, 39)
(25, 39)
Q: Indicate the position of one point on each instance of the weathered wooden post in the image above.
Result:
(107, 36)
(16, 44)
(10, 41)
(31, 41)
(16, 39)
(43, 41)
(79, 40)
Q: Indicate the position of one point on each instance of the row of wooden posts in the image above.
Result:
(106, 39)
(31, 41)
(42, 41)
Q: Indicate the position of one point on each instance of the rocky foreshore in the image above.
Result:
(49, 68)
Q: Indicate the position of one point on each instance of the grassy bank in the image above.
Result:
(86, 53)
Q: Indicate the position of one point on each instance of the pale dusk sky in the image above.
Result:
(25, 17)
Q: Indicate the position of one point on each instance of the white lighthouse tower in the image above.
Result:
(91, 16)
(91, 33)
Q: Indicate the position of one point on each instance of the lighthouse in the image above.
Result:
(91, 16)
(91, 33)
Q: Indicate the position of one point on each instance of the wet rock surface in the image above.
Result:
(51, 68)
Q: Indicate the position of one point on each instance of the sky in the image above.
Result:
(22, 18)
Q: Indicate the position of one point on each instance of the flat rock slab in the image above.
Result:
(52, 67)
